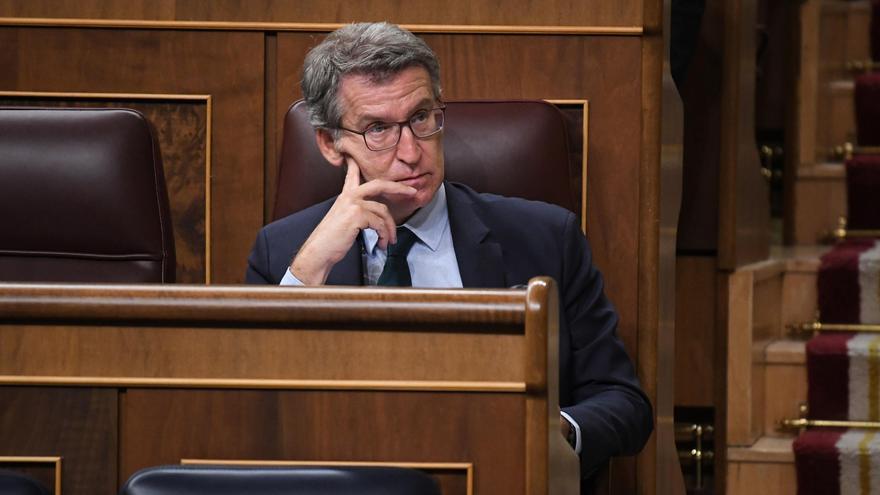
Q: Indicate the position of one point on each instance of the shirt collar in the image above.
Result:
(428, 223)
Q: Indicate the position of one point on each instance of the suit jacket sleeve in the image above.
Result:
(258, 262)
(606, 399)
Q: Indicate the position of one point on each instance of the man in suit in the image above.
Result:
(373, 94)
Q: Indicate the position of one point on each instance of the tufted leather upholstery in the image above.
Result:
(200, 480)
(82, 192)
(13, 483)
(512, 148)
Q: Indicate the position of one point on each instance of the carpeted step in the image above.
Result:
(862, 191)
(843, 376)
(833, 461)
(867, 107)
(848, 283)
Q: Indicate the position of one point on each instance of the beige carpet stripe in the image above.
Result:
(869, 285)
(864, 375)
(873, 378)
(865, 464)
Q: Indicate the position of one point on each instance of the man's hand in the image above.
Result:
(356, 208)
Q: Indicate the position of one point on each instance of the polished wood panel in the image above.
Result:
(79, 425)
(329, 426)
(227, 66)
(771, 477)
(695, 363)
(379, 367)
(551, 12)
(182, 127)
(426, 336)
(744, 195)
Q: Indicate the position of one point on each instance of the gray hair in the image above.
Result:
(377, 50)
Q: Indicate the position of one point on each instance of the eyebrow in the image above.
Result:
(421, 105)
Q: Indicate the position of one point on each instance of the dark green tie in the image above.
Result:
(396, 271)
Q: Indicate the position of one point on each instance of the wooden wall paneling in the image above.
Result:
(695, 362)
(182, 127)
(77, 424)
(228, 66)
(660, 173)
(627, 13)
(90, 9)
(744, 196)
(331, 426)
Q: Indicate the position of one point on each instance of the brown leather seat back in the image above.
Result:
(512, 148)
(82, 196)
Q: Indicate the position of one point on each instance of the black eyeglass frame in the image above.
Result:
(407, 122)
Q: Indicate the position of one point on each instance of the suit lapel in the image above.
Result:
(480, 260)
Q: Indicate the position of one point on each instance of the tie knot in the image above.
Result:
(405, 240)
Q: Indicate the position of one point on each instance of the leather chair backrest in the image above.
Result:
(82, 196)
(13, 483)
(202, 480)
(512, 148)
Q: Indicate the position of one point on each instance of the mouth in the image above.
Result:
(415, 181)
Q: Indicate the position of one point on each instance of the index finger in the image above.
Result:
(352, 176)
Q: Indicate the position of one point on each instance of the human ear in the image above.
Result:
(327, 146)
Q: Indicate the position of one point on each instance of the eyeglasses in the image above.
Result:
(381, 136)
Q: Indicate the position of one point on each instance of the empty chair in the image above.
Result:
(513, 148)
(203, 480)
(14, 483)
(82, 198)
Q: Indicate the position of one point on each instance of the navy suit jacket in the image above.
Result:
(502, 242)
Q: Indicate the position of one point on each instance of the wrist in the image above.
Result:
(309, 270)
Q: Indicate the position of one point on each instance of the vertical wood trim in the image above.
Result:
(208, 146)
(740, 304)
(649, 235)
(585, 169)
(537, 386)
(270, 134)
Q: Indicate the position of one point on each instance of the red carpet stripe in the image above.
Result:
(827, 376)
(838, 282)
(817, 462)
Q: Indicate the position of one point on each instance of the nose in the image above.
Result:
(408, 149)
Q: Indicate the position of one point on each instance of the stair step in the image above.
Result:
(786, 351)
(767, 467)
(766, 449)
(785, 383)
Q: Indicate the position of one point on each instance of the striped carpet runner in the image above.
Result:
(837, 461)
(849, 282)
(843, 372)
(843, 369)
